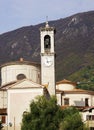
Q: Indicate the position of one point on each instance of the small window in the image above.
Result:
(88, 117)
(91, 128)
(86, 102)
(92, 117)
(66, 101)
(21, 76)
(3, 119)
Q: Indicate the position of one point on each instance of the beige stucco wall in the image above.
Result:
(18, 102)
(78, 99)
(9, 72)
(58, 96)
(65, 86)
(3, 99)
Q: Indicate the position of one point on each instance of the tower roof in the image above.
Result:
(47, 27)
(64, 81)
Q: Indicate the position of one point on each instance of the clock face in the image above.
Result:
(48, 61)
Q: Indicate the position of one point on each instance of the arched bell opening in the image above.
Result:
(47, 43)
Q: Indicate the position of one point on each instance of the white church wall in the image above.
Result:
(18, 102)
(3, 99)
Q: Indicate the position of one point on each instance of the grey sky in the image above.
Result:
(18, 13)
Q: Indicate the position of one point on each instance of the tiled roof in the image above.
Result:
(75, 91)
(8, 84)
(20, 63)
(11, 84)
(64, 81)
(88, 108)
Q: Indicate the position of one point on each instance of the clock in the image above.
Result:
(48, 61)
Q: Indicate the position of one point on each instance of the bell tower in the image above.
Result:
(48, 58)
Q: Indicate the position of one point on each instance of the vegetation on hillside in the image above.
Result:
(47, 115)
(84, 77)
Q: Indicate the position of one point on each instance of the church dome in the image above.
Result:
(19, 70)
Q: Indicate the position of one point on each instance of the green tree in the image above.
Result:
(1, 126)
(72, 120)
(47, 115)
(44, 115)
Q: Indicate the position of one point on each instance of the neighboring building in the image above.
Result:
(69, 95)
(22, 81)
(88, 117)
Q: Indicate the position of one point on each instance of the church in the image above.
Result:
(22, 81)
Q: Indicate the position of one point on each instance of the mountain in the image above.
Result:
(74, 44)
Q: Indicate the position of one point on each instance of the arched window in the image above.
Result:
(47, 43)
(21, 76)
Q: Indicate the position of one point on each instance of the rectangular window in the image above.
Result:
(92, 117)
(66, 101)
(3, 119)
(86, 102)
(89, 117)
(91, 128)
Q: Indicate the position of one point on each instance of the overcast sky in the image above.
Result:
(18, 13)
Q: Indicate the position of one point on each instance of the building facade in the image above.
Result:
(69, 95)
(20, 85)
